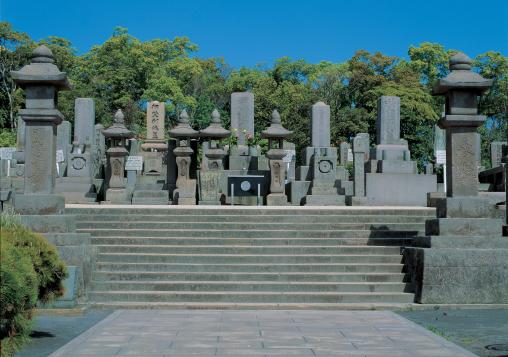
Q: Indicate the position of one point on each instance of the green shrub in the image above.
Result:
(31, 271)
(50, 269)
(18, 297)
(7, 138)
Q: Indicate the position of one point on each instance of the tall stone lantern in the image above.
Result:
(118, 135)
(185, 192)
(209, 175)
(461, 89)
(41, 80)
(276, 134)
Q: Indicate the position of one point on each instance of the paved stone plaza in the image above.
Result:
(258, 333)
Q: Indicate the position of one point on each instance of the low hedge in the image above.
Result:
(30, 271)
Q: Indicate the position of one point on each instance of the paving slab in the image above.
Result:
(258, 333)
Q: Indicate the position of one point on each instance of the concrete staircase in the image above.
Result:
(249, 257)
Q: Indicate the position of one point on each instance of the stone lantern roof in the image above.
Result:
(275, 130)
(182, 128)
(41, 71)
(215, 129)
(461, 77)
(117, 129)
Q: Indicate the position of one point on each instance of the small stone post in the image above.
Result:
(360, 153)
(185, 192)
(41, 80)
(276, 134)
(117, 152)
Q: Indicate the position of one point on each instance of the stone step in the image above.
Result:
(418, 227)
(254, 286)
(253, 218)
(151, 193)
(125, 275)
(277, 233)
(249, 297)
(245, 258)
(250, 241)
(354, 266)
(253, 210)
(391, 306)
(150, 201)
(248, 249)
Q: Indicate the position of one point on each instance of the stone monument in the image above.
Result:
(276, 134)
(321, 160)
(151, 186)
(391, 176)
(40, 209)
(463, 256)
(496, 153)
(117, 134)
(361, 147)
(185, 192)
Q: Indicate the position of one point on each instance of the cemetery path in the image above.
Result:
(258, 333)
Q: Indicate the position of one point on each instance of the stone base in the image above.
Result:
(464, 207)
(150, 197)
(458, 276)
(396, 167)
(210, 203)
(399, 189)
(274, 199)
(60, 223)
(325, 200)
(71, 288)
(117, 196)
(76, 189)
(471, 242)
(45, 204)
(357, 201)
(296, 192)
(464, 227)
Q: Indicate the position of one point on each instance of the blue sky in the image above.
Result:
(246, 33)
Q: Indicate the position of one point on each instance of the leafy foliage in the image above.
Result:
(125, 72)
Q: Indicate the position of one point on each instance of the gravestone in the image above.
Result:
(344, 153)
(151, 185)
(63, 143)
(320, 125)
(80, 157)
(242, 115)
(391, 175)
(496, 152)
(322, 160)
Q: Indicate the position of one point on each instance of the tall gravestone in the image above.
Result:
(242, 115)
(80, 157)
(463, 257)
(151, 186)
(361, 147)
(322, 160)
(391, 175)
(63, 142)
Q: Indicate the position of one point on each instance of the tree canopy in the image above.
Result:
(125, 72)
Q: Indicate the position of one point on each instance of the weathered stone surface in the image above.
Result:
(155, 116)
(84, 121)
(63, 144)
(463, 207)
(242, 115)
(388, 120)
(496, 152)
(360, 149)
(320, 125)
(344, 153)
(399, 189)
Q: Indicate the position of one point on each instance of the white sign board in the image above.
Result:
(441, 157)
(6, 153)
(60, 156)
(134, 163)
(290, 154)
(350, 155)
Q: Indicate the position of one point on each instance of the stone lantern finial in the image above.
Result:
(42, 54)
(460, 61)
(215, 129)
(119, 117)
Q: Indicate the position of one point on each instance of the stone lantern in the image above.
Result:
(214, 152)
(118, 135)
(212, 165)
(185, 192)
(41, 80)
(276, 134)
(461, 88)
